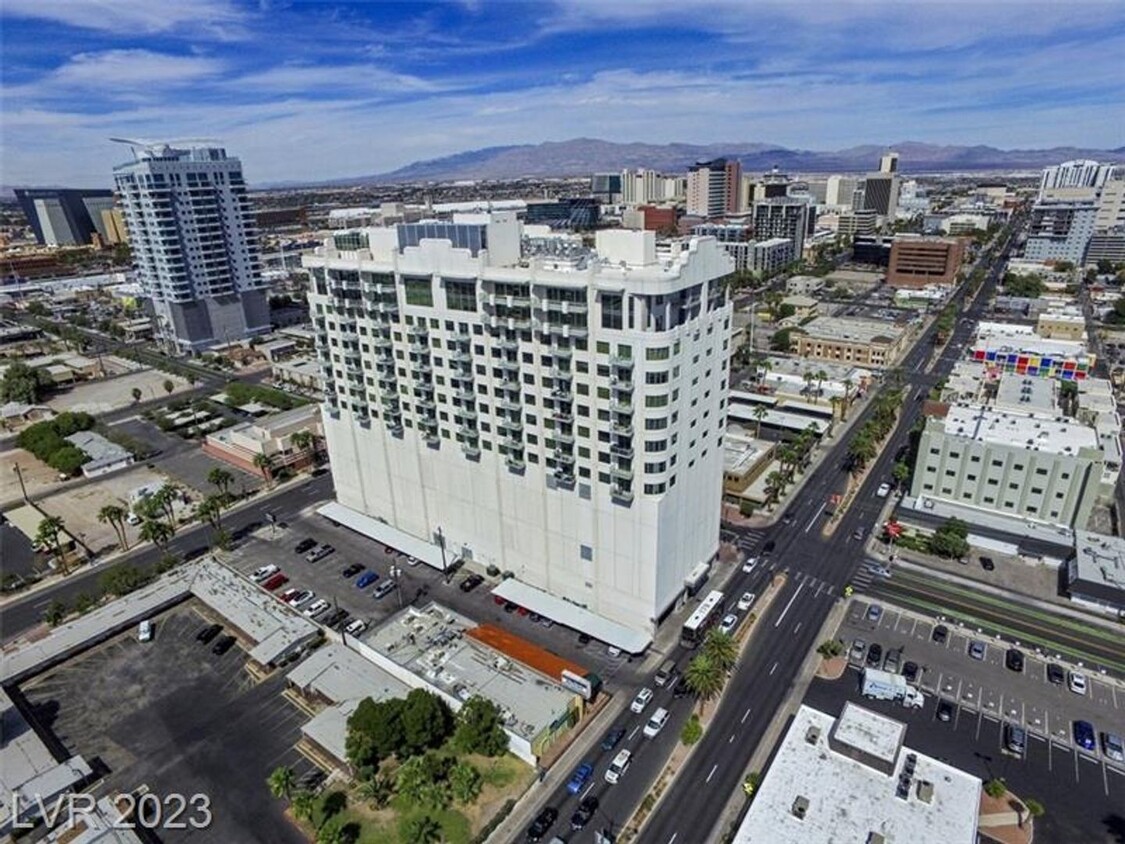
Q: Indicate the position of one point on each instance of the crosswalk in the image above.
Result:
(746, 540)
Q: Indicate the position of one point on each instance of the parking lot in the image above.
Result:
(268, 545)
(171, 715)
(985, 695)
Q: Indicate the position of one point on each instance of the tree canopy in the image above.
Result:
(480, 729)
(25, 384)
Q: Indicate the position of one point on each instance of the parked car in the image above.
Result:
(208, 633)
(859, 648)
(584, 813)
(383, 589)
(471, 582)
(644, 696)
(387, 549)
(1084, 735)
(767, 549)
(987, 564)
(366, 579)
(301, 598)
(411, 561)
(944, 710)
(145, 631)
(746, 601)
(315, 608)
(1013, 659)
(333, 618)
(874, 612)
(883, 491)
(342, 621)
(613, 738)
(656, 723)
(1112, 747)
(223, 645)
(729, 622)
(542, 823)
(275, 582)
(583, 640)
(1055, 674)
(264, 573)
(356, 627)
(940, 634)
(287, 594)
(579, 777)
(319, 554)
(859, 533)
(977, 649)
(874, 655)
(749, 565)
(1077, 683)
(305, 545)
(911, 671)
(1015, 739)
(788, 518)
(512, 606)
(681, 689)
(351, 571)
(618, 767)
(891, 662)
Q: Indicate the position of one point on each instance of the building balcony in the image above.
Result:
(513, 425)
(509, 365)
(621, 473)
(566, 437)
(562, 394)
(417, 332)
(493, 300)
(381, 342)
(383, 308)
(620, 363)
(623, 407)
(509, 344)
(553, 306)
(564, 457)
(465, 394)
(391, 403)
(622, 387)
(497, 323)
(516, 462)
(561, 374)
(419, 349)
(622, 452)
(470, 449)
(425, 405)
(460, 356)
(466, 414)
(622, 429)
(560, 329)
(468, 432)
(562, 414)
(510, 404)
(563, 477)
(387, 381)
(622, 493)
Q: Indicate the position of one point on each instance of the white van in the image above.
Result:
(618, 766)
(144, 634)
(656, 723)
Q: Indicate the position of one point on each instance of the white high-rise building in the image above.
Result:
(1061, 180)
(840, 190)
(641, 186)
(513, 398)
(192, 231)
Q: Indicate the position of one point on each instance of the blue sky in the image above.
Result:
(312, 90)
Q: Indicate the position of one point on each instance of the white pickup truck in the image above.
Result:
(883, 685)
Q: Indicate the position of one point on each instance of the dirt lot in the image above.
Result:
(115, 393)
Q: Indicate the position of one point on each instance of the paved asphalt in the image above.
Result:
(818, 570)
(285, 503)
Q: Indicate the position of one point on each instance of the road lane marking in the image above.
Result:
(589, 788)
(787, 606)
(798, 627)
(816, 516)
(708, 778)
(731, 739)
(673, 838)
(634, 732)
(745, 715)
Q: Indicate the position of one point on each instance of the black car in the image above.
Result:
(585, 812)
(471, 582)
(910, 671)
(542, 823)
(332, 619)
(681, 689)
(1055, 674)
(944, 710)
(306, 544)
(223, 645)
(987, 564)
(208, 633)
(613, 738)
(875, 655)
(583, 640)
(511, 606)
(352, 570)
(342, 621)
(1013, 659)
(768, 547)
(940, 634)
(788, 518)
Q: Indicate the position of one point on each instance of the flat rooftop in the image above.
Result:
(844, 800)
(102, 452)
(741, 451)
(1035, 432)
(869, 733)
(852, 330)
(1018, 392)
(1100, 558)
(431, 643)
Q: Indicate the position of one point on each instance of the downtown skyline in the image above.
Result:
(311, 91)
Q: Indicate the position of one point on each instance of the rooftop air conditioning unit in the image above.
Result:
(800, 807)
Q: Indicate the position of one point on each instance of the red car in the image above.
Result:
(275, 581)
(496, 599)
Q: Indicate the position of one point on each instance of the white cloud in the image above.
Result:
(131, 17)
(327, 80)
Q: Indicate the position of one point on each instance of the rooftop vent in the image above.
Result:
(812, 736)
(876, 838)
(800, 807)
(926, 791)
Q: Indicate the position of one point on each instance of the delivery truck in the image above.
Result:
(883, 685)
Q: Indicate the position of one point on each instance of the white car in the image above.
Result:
(1077, 683)
(316, 607)
(644, 696)
(412, 561)
(746, 600)
(258, 575)
(656, 723)
(300, 599)
(618, 767)
(729, 622)
(883, 491)
(748, 566)
(356, 627)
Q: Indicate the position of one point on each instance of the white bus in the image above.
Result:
(700, 621)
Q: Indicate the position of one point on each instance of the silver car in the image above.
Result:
(977, 649)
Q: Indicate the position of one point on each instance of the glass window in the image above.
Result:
(656, 401)
(657, 353)
(419, 291)
(460, 295)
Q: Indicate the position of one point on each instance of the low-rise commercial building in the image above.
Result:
(853, 779)
(105, 456)
(803, 306)
(271, 436)
(804, 285)
(1062, 324)
(864, 342)
(1095, 575)
(1017, 348)
(924, 261)
(745, 460)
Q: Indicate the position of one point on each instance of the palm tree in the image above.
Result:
(114, 514)
(303, 803)
(821, 377)
(302, 440)
(721, 648)
(48, 536)
(759, 413)
(421, 829)
(788, 458)
(221, 479)
(164, 498)
(705, 678)
(848, 383)
(809, 378)
(210, 509)
(376, 790)
(775, 483)
(156, 532)
(281, 781)
(861, 450)
(265, 463)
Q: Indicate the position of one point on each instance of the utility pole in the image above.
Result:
(23, 489)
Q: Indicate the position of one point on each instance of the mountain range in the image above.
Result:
(583, 156)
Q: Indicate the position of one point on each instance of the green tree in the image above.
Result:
(122, 579)
(951, 539)
(281, 781)
(221, 479)
(480, 728)
(302, 440)
(423, 780)
(830, 648)
(782, 341)
(995, 788)
(114, 514)
(137, 394)
(67, 460)
(705, 678)
(376, 790)
(169, 386)
(264, 463)
(49, 537)
(303, 804)
(54, 613)
(759, 413)
(426, 721)
(210, 510)
(1034, 807)
(157, 532)
(24, 384)
(419, 829)
(335, 831)
(380, 723)
(692, 731)
(721, 649)
(900, 472)
(465, 782)
(165, 498)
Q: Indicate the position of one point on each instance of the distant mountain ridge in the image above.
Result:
(582, 156)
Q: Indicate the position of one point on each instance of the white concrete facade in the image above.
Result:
(550, 410)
